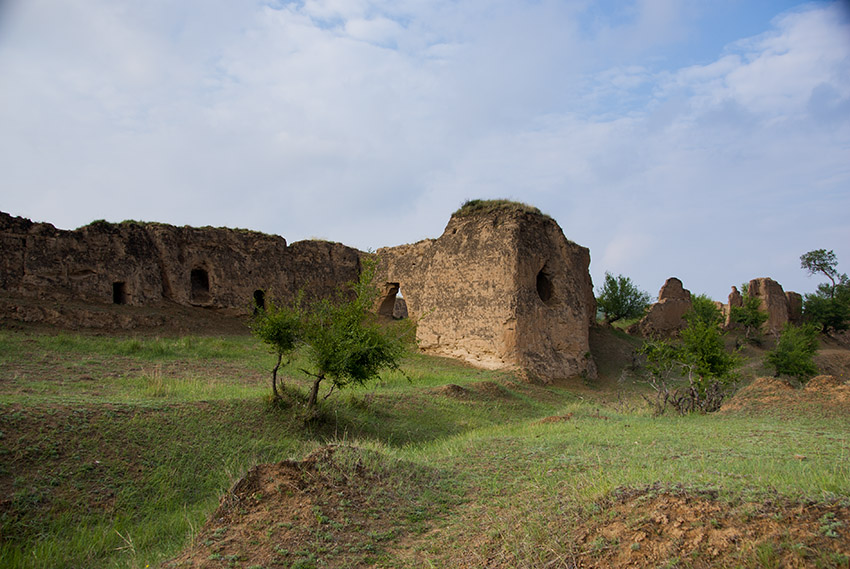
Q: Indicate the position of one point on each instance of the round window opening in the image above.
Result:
(544, 287)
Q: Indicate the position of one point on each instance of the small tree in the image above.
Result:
(824, 262)
(706, 309)
(700, 356)
(829, 306)
(828, 313)
(750, 315)
(345, 342)
(619, 298)
(794, 352)
(280, 327)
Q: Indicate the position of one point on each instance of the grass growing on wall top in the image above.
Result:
(472, 207)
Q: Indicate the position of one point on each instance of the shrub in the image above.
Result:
(750, 315)
(280, 328)
(829, 307)
(706, 309)
(794, 352)
(619, 298)
(699, 356)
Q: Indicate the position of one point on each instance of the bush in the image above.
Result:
(749, 316)
(829, 307)
(344, 341)
(619, 298)
(794, 352)
(706, 309)
(280, 328)
(700, 356)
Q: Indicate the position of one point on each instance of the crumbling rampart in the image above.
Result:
(140, 264)
(500, 289)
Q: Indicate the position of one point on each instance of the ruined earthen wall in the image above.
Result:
(556, 305)
(152, 263)
(773, 301)
(503, 289)
(665, 318)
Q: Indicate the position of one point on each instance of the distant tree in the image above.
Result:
(279, 327)
(619, 298)
(794, 352)
(824, 262)
(750, 315)
(705, 309)
(829, 306)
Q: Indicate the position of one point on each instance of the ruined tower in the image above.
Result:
(501, 288)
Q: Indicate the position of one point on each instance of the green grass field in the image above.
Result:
(117, 450)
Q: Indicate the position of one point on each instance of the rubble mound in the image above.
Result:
(657, 527)
(769, 394)
(274, 515)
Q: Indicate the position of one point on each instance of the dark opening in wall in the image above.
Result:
(259, 300)
(388, 301)
(544, 286)
(200, 281)
(119, 293)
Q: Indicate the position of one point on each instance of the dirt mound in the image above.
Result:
(280, 515)
(490, 390)
(768, 393)
(823, 383)
(655, 527)
(452, 390)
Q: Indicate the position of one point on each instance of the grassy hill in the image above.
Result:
(122, 451)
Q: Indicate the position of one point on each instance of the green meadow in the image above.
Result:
(115, 451)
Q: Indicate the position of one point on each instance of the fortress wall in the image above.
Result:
(477, 293)
(147, 263)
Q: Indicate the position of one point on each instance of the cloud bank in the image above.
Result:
(369, 122)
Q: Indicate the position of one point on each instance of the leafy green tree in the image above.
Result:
(750, 315)
(345, 343)
(619, 298)
(828, 309)
(706, 309)
(824, 262)
(794, 352)
(700, 357)
(279, 327)
(829, 306)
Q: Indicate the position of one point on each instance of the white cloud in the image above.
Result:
(370, 122)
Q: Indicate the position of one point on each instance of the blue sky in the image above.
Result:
(704, 140)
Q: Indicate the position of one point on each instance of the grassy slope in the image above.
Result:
(116, 450)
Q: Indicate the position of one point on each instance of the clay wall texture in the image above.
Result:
(156, 262)
(503, 289)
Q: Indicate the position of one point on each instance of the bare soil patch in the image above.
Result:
(333, 508)
(827, 393)
(655, 527)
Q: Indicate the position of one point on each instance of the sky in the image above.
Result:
(707, 140)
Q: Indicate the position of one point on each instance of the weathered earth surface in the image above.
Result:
(664, 318)
(781, 307)
(501, 289)
(151, 264)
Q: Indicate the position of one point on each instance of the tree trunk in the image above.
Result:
(274, 377)
(314, 393)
